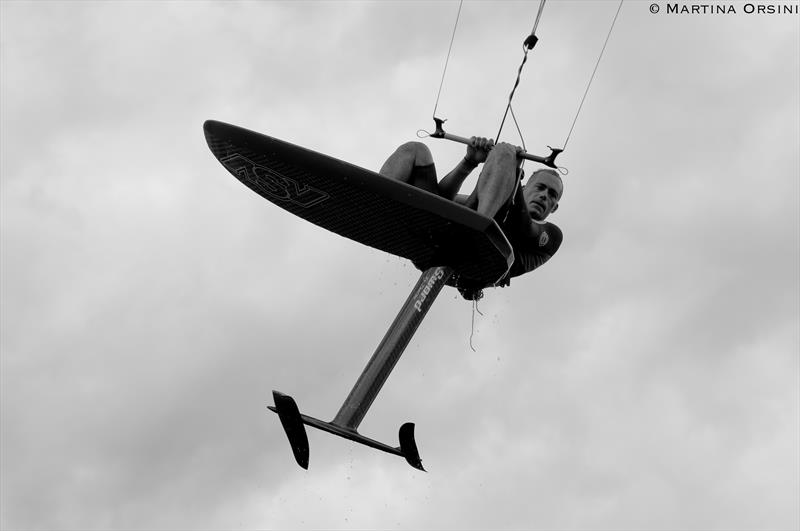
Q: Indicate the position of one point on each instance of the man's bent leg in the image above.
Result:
(497, 181)
(412, 163)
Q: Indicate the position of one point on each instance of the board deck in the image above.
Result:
(364, 206)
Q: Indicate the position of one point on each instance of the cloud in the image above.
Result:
(645, 378)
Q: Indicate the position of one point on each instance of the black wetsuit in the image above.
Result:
(531, 250)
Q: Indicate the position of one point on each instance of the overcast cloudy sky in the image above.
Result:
(646, 378)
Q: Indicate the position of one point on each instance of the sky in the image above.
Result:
(646, 378)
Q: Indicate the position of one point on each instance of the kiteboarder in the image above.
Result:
(519, 210)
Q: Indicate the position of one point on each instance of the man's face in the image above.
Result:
(542, 193)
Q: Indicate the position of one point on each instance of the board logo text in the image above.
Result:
(272, 184)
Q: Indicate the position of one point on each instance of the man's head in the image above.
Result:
(542, 193)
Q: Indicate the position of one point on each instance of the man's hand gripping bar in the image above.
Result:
(549, 160)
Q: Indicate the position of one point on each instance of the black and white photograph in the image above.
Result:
(399, 264)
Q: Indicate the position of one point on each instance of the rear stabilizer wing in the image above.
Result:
(294, 422)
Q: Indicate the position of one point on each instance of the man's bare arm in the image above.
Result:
(477, 151)
(451, 183)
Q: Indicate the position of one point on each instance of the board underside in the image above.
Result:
(364, 206)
